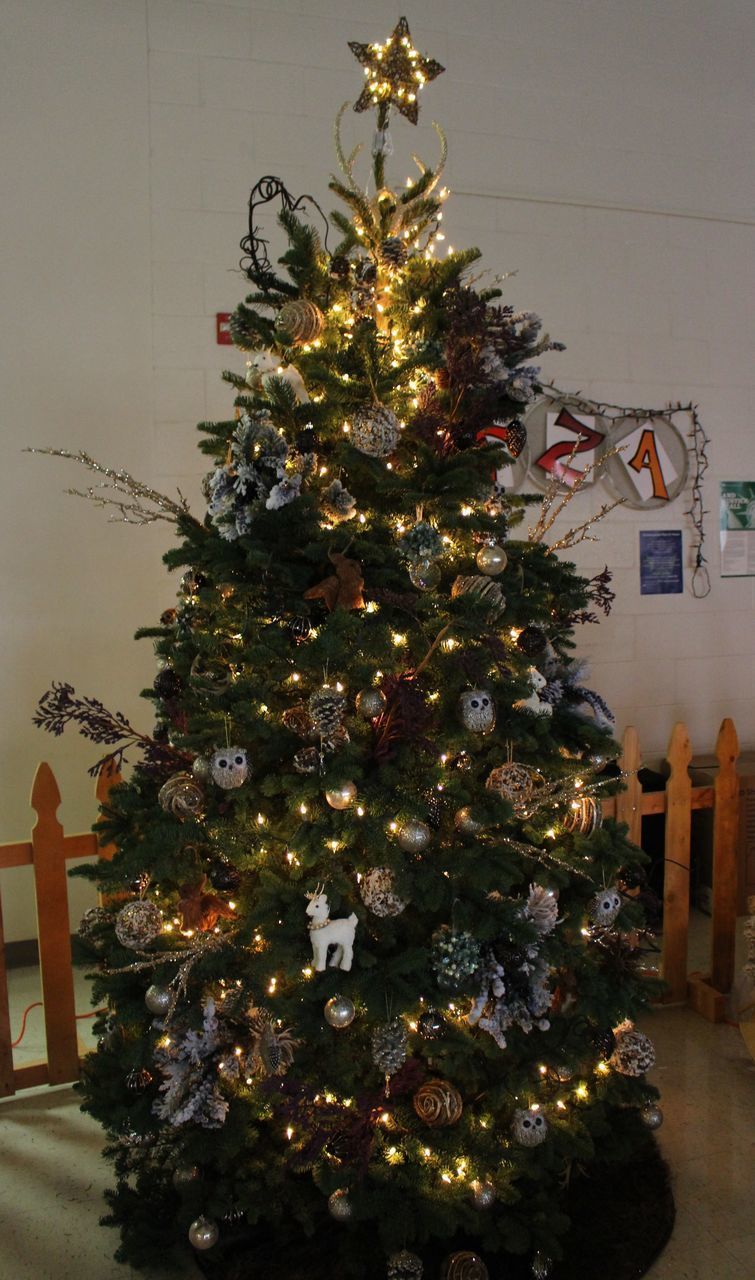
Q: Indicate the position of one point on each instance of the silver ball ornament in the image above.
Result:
(158, 999)
(201, 769)
(339, 1206)
(203, 1233)
(466, 824)
(339, 1012)
(651, 1115)
(483, 1194)
(491, 560)
(185, 1175)
(414, 836)
(541, 1266)
(371, 703)
(341, 797)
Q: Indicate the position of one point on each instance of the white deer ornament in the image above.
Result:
(326, 933)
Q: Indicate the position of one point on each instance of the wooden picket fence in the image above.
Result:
(49, 850)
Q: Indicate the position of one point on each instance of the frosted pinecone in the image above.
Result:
(389, 1046)
(393, 252)
(542, 908)
(327, 707)
(337, 502)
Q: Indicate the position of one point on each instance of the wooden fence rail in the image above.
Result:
(48, 852)
(50, 849)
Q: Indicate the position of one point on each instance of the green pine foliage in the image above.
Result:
(248, 647)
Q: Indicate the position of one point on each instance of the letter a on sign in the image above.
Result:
(647, 463)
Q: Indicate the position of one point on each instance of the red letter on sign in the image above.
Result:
(587, 439)
(646, 457)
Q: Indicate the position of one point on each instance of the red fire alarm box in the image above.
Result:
(223, 329)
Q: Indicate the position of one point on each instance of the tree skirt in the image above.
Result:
(622, 1217)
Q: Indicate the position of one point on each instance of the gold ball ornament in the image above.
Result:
(583, 816)
(299, 321)
(341, 797)
(375, 431)
(414, 836)
(339, 1012)
(491, 559)
(464, 1266)
(517, 783)
(182, 796)
(438, 1104)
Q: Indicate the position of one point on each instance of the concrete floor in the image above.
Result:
(52, 1176)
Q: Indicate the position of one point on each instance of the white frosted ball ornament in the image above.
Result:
(339, 1206)
(414, 836)
(341, 797)
(203, 1233)
(529, 1127)
(477, 710)
(138, 924)
(605, 907)
(339, 1012)
(491, 559)
(229, 768)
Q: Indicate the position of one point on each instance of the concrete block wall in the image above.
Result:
(597, 148)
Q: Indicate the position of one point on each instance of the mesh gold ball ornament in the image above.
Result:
(185, 1176)
(339, 1205)
(191, 583)
(299, 321)
(465, 824)
(431, 1024)
(371, 703)
(483, 1194)
(377, 890)
(477, 711)
(158, 1000)
(342, 796)
(211, 676)
(182, 796)
(464, 1265)
(414, 836)
(300, 629)
(375, 431)
(389, 1046)
(529, 1127)
(438, 1104)
(651, 1115)
(138, 924)
(405, 1266)
(518, 783)
(605, 907)
(229, 768)
(480, 588)
(203, 1233)
(491, 559)
(634, 1053)
(339, 1012)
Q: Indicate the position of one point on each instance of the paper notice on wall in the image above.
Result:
(737, 525)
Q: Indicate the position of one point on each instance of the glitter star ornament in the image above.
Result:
(395, 72)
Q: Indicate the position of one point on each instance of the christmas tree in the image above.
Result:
(370, 974)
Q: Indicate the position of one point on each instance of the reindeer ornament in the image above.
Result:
(326, 933)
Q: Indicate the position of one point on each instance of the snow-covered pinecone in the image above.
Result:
(327, 707)
(389, 1046)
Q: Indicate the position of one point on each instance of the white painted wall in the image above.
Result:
(598, 147)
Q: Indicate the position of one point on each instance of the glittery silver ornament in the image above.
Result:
(138, 924)
(229, 768)
(341, 797)
(182, 796)
(185, 1176)
(339, 1206)
(158, 999)
(491, 560)
(201, 769)
(424, 575)
(634, 1053)
(541, 1266)
(483, 1194)
(404, 1266)
(389, 1046)
(605, 907)
(371, 703)
(465, 823)
(529, 1127)
(464, 1266)
(414, 836)
(477, 710)
(203, 1233)
(377, 889)
(375, 431)
(651, 1115)
(339, 1012)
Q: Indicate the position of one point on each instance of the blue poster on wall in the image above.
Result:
(661, 562)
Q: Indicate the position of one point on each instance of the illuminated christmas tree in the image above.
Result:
(367, 959)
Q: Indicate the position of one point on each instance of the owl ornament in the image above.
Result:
(477, 711)
(229, 768)
(530, 1127)
(605, 907)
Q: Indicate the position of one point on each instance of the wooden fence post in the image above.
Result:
(629, 802)
(676, 870)
(7, 1084)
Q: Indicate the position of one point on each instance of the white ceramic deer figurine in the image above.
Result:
(326, 933)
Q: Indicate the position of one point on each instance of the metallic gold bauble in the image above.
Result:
(491, 559)
(339, 1205)
(377, 888)
(464, 1266)
(138, 924)
(483, 1194)
(425, 575)
(182, 796)
(414, 836)
(185, 1176)
(299, 321)
(466, 824)
(375, 431)
(583, 816)
(651, 1116)
(371, 703)
(342, 796)
(339, 1012)
(438, 1104)
(203, 1233)
(158, 999)
(516, 782)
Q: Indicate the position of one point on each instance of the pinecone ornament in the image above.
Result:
(326, 707)
(375, 431)
(393, 253)
(389, 1046)
(404, 1266)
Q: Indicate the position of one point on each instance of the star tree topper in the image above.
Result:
(395, 73)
